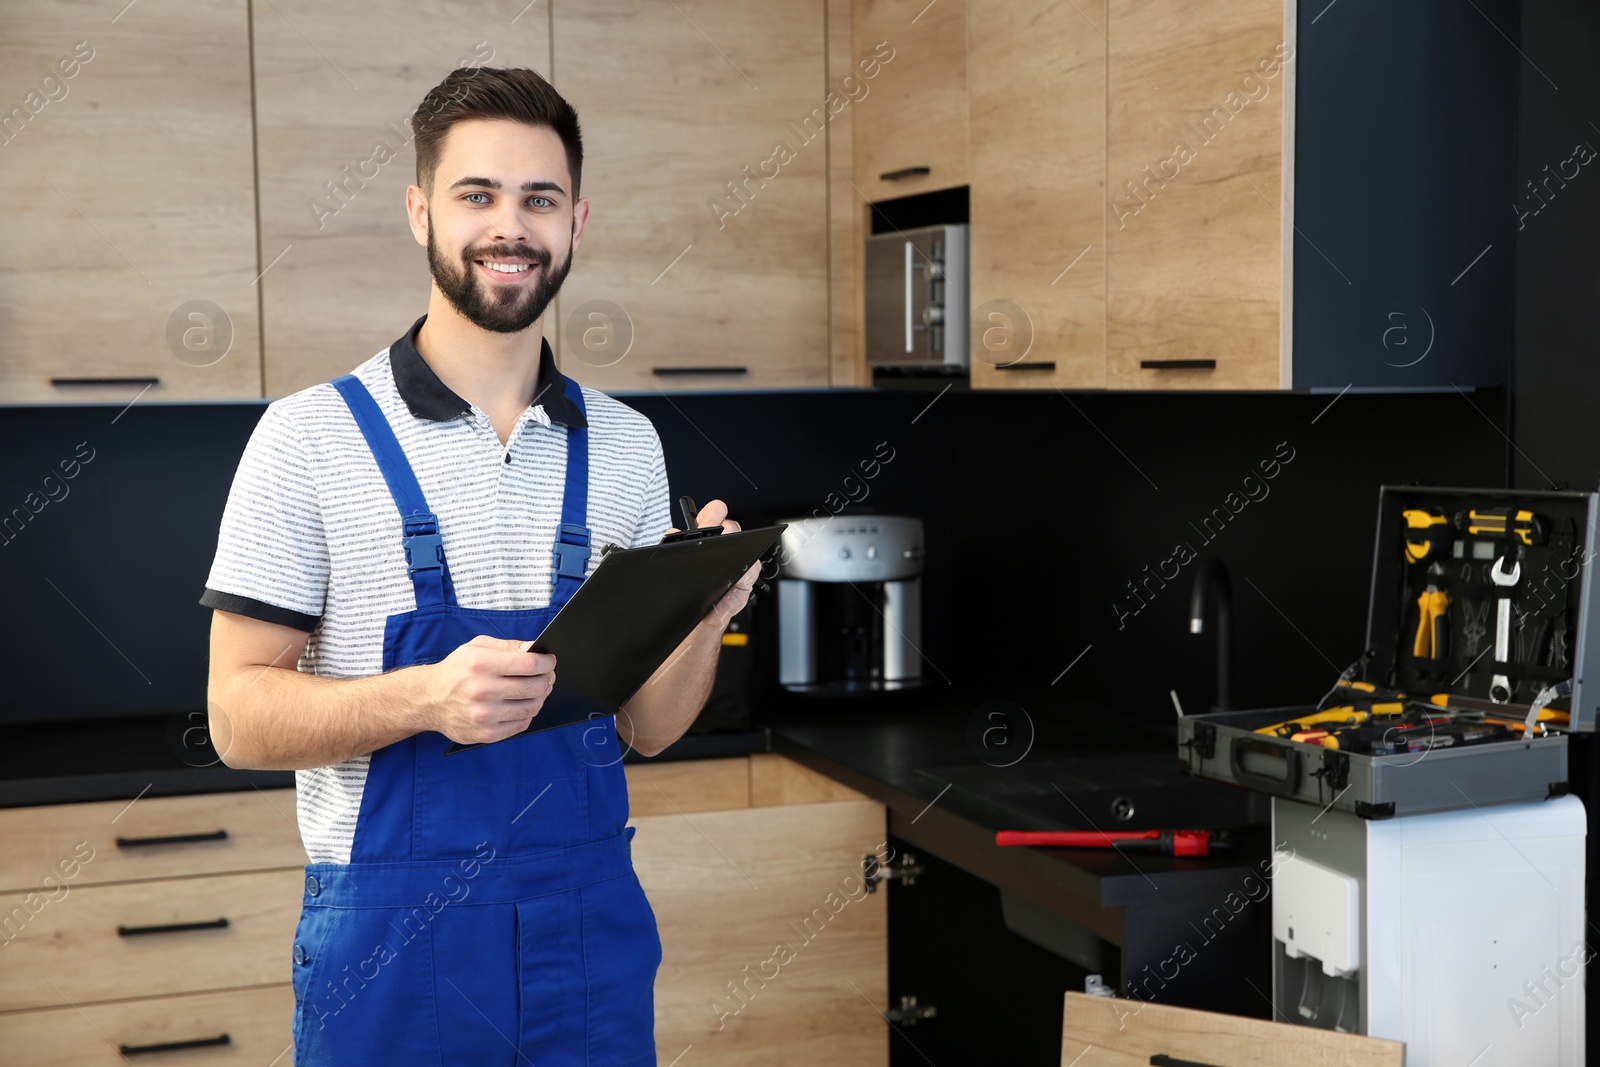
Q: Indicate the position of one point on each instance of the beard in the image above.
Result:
(498, 308)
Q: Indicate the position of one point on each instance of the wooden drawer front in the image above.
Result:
(1104, 1032)
(73, 942)
(257, 1023)
(72, 845)
(776, 779)
(688, 785)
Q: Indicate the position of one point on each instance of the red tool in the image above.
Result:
(1166, 842)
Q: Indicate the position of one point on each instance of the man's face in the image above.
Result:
(502, 195)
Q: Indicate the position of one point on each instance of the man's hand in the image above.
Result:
(487, 690)
(734, 600)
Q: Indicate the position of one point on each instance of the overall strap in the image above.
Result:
(572, 535)
(424, 547)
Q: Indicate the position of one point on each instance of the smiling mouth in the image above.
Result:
(505, 269)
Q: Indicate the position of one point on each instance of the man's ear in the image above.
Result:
(580, 219)
(417, 214)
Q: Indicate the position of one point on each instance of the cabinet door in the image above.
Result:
(335, 89)
(1037, 198)
(771, 949)
(129, 256)
(704, 261)
(914, 113)
(1196, 97)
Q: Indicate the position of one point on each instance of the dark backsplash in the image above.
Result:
(1040, 512)
(1041, 509)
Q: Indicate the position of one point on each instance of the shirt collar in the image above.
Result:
(429, 398)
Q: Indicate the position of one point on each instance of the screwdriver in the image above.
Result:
(1166, 842)
(1347, 715)
(1524, 525)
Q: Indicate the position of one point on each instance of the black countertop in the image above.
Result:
(1142, 903)
(119, 759)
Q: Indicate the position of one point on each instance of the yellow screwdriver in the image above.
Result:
(1347, 715)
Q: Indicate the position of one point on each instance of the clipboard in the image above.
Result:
(630, 615)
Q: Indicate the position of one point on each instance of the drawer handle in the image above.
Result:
(131, 380)
(699, 370)
(1050, 365)
(171, 928)
(1177, 364)
(903, 172)
(173, 1046)
(171, 839)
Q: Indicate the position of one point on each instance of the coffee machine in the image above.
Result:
(850, 604)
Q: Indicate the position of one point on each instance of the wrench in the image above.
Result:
(1500, 685)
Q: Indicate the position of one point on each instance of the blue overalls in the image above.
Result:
(490, 913)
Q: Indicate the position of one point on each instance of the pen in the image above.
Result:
(690, 511)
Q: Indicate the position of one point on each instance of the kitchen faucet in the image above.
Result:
(1214, 576)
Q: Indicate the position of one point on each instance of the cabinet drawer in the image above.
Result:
(776, 779)
(74, 845)
(688, 785)
(256, 1022)
(148, 938)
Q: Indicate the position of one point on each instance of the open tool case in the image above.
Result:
(1451, 568)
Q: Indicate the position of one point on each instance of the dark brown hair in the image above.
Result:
(517, 93)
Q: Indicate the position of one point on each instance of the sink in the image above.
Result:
(1140, 791)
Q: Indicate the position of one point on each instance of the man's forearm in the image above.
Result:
(282, 719)
(660, 712)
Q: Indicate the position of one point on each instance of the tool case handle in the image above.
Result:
(1286, 756)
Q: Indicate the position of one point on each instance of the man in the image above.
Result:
(390, 541)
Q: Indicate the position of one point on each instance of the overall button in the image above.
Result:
(313, 886)
(300, 955)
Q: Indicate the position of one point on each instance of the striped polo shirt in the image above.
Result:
(310, 537)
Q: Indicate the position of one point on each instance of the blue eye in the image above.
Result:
(546, 199)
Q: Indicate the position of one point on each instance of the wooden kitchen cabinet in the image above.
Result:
(335, 90)
(914, 113)
(1249, 162)
(79, 881)
(1037, 258)
(737, 856)
(704, 264)
(771, 950)
(1196, 135)
(129, 259)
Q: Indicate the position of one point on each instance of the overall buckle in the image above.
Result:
(571, 550)
(423, 544)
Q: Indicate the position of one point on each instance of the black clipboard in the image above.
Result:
(630, 615)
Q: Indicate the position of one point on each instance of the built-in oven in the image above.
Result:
(916, 293)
